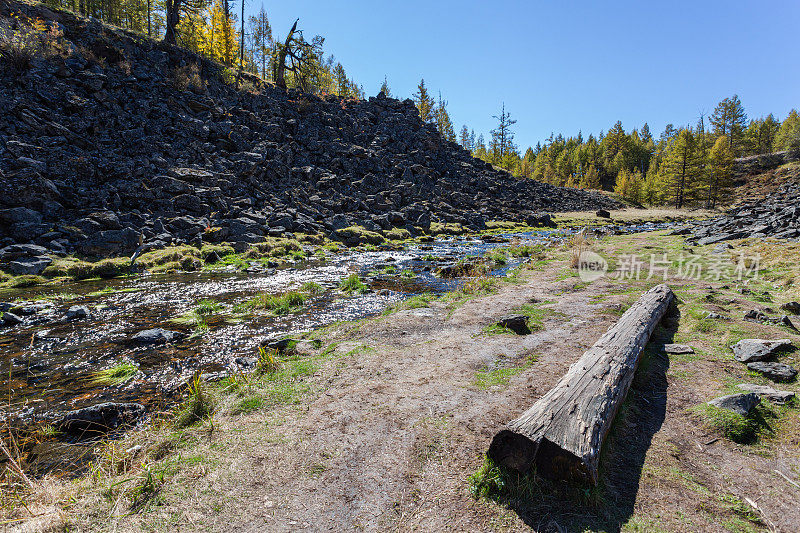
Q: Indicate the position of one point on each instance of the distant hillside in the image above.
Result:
(107, 138)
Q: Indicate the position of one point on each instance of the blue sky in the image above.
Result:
(564, 66)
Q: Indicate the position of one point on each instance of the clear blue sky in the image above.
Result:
(564, 66)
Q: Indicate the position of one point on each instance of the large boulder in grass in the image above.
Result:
(741, 404)
(750, 350)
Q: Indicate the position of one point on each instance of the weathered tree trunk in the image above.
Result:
(563, 432)
(173, 18)
(284, 50)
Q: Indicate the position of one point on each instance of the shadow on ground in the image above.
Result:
(557, 506)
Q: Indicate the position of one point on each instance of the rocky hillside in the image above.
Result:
(775, 215)
(108, 139)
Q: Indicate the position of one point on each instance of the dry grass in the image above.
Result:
(188, 78)
(578, 244)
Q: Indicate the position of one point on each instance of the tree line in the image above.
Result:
(689, 165)
(214, 29)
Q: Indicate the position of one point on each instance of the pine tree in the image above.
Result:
(720, 161)
(463, 138)
(385, 88)
(653, 187)
(590, 179)
(425, 103)
(729, 119)
(788, 136)
(503, 139)
(443, 123)
(261, 39)
(681, 169)
(629, 185)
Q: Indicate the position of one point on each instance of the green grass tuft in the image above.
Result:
(116, 375)
(352, 284)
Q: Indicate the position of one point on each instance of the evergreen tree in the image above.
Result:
(443, 123)
(464, 138)
(385, 88)
(425, 103)
(788, 136)
(261, 40)
(503, 147)
(590, 178)
(629, 185)
(720, 171)
(681, 169)
(729, 119)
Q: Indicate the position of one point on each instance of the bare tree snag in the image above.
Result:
(282, 52)
(563, 432)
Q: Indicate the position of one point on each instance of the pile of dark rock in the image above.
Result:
(111, 141)
(777, 215)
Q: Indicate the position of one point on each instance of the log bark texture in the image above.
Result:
(563, 432)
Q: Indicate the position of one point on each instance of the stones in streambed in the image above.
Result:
(763, 391)
(516, 323)
(155, 336)
(76, 312)
(9, 319)
(678, 349)
(774, 371)
(100, 418)
(751, 350)
(741, 404)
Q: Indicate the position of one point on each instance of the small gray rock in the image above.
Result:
(77, 311)
(791, 307)
(749, 350)
(763, 391)
(155, 336)
(774, 371)
(740, 404)
(516, 323)
(678, 348)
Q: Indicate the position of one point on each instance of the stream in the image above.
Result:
(49, 363)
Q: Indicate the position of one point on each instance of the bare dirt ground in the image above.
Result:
(399, 416)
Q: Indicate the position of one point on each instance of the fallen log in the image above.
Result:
(563, 432)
